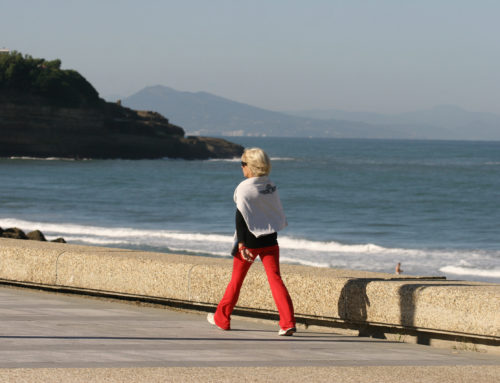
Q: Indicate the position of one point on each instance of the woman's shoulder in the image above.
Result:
(242, 185)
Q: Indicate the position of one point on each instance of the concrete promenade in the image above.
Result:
(50, 337)
(427, 310)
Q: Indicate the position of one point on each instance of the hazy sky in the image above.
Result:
(385, 56)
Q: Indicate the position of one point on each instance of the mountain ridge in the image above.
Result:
(451, 117)
(203, 113)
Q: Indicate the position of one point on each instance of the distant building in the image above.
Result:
(4, 50)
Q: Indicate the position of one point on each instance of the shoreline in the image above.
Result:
(124, 243)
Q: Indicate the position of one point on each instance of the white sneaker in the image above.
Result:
(288, 332)
(211, 320)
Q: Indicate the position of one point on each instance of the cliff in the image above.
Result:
(46, 111)
(32, 125)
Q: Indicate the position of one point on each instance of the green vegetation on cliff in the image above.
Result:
(36, 76)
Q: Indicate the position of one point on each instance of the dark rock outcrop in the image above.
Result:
(32, 126)
(14, 233)
(36, 235)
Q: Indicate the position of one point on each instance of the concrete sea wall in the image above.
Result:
(417, 309)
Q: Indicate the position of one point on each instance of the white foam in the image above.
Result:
(96, 240)
(304, 244)
(234, 159)
(303, 262)
(103, 235)
(47, 158)
(114, 235)
(293, 250)
(457, 270)
(107, 232)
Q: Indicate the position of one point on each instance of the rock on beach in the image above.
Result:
(36, 235)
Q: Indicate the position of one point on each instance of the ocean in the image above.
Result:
(433, 206)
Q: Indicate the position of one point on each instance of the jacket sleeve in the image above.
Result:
(241, 227)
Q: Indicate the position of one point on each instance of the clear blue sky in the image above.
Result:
(384, 56)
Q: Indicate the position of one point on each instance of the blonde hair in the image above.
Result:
(258, 161)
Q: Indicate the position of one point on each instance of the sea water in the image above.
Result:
(433, 206)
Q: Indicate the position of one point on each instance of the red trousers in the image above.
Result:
(270, 259)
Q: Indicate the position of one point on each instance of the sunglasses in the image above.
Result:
(243, 164)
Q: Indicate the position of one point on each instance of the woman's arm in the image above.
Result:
(241, 229)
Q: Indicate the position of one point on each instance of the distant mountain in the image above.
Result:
(202, 113)
(460, 124)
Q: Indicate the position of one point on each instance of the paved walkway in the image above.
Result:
(54, 337)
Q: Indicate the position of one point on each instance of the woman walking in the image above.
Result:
(259, 216)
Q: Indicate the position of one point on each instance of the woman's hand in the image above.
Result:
(245, 253)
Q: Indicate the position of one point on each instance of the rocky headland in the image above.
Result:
(49, 112)
(32, 127)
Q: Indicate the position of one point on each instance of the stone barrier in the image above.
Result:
(426, 310)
